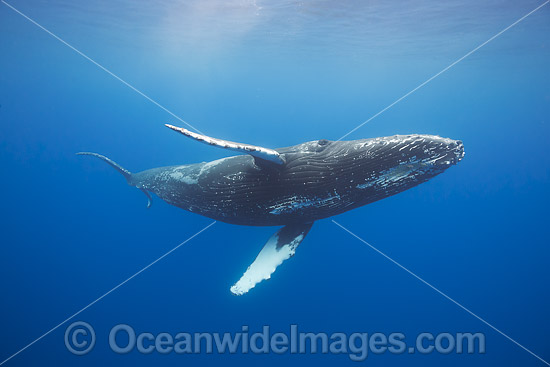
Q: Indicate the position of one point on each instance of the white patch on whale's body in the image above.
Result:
(180, 176)
(407, 170)
(295, 203)
(183, 174)
(190, 175)
(190, 180)
(208, 165)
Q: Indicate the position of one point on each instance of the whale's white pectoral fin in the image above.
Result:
(261, 153)
(280, 247)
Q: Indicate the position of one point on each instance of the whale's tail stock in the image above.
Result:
(127, 174)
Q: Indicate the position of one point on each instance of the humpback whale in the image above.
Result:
(293, 186)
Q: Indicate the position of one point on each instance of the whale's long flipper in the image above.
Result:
(127, 174)
(280, 247)
(261, 153)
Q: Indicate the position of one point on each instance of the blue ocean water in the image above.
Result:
(272, 74)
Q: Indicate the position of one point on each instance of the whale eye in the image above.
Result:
(323, 142)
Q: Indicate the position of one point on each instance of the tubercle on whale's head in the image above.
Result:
(429, 149)
(446, 151)
(459, 150)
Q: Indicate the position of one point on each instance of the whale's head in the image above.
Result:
(429, 151)
(388, 165)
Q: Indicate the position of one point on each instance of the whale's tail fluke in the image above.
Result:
(127, 174)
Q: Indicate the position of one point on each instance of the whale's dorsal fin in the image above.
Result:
(280, 247)
(263, 154)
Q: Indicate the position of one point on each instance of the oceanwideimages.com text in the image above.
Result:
(122, 339)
